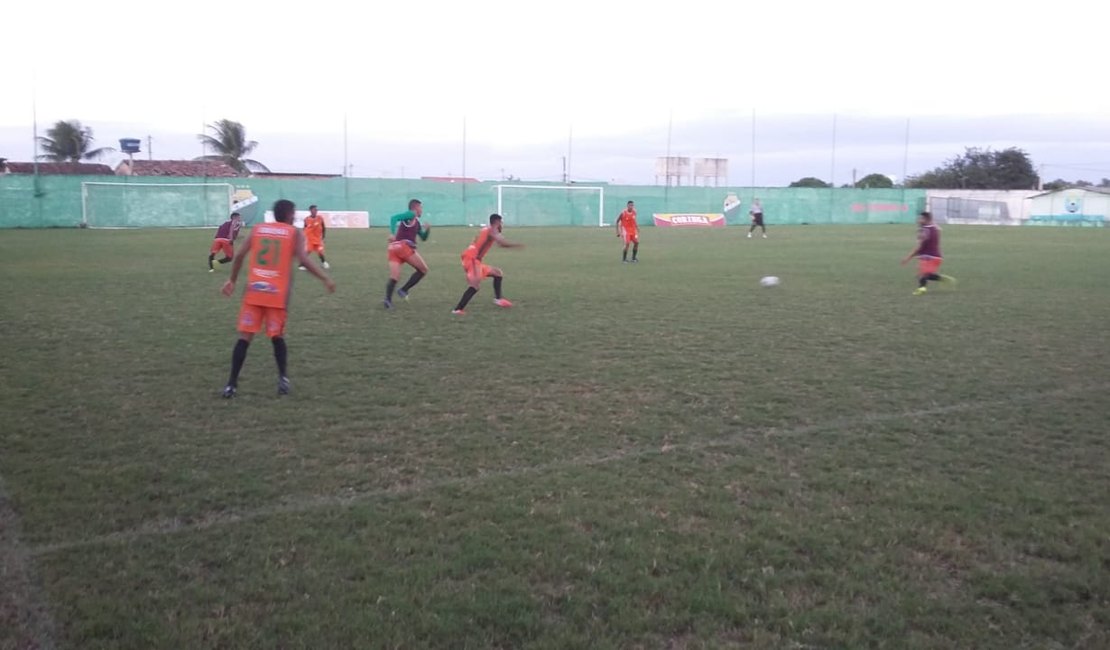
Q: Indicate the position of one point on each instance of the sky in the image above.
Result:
(608, 84)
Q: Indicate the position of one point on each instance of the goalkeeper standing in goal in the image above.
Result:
(224, 240)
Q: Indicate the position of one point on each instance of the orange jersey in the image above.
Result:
(480, 246)
(314, 228)
(627, 220)
(270, 276)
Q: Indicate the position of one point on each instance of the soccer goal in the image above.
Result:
(154, 205)
(551, 205)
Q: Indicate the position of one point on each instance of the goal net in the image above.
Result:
(551, 205)
(155, 205)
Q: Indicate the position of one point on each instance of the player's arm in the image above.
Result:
(916, 249)
(236, 266)
(306, 261)
(323, 229)
(424, 231)
(502, 242)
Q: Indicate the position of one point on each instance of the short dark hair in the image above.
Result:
(413, 203)
(235, 214)
(631, 202)
(312, 206)
(928, 215)
(494, 217)
(284, 209)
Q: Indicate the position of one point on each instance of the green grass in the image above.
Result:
(659, 455)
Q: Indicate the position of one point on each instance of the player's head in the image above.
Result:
(235, 216)
(495, 221)
(416, 207)
(284, 209)
(312, 210)
(925, 218)
(631, 204)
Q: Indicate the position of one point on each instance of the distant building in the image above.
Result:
(56, 168)
(1076, 206)
(185, 168)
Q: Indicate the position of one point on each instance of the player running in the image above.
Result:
(476, 269)
(224, 240)
(927, 253)
(404, 228)
(314, 232)
(630, 231)
(272, 247)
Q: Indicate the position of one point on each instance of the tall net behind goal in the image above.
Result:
(155, 205)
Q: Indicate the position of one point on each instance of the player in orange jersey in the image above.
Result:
(272, 248)
(629, 230)
(314, 232)
(476, 269)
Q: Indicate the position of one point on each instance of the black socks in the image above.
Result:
(238, 356)
(416, 277)
(280, 354)
(467, 295)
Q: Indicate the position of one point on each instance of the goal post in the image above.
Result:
(551, 205)
(154, 205)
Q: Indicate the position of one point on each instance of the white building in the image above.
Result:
(1077, 206)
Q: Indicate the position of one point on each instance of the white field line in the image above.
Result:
(168, 526)
(25, 621)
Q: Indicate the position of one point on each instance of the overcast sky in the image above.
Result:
(524, 75)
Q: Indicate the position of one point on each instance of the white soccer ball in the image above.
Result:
(769, 281)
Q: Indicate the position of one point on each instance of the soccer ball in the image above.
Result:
(769, 281)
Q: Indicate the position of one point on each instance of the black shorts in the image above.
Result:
(757, 219)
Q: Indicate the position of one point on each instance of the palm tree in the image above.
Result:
(231, 146)
(69, 141)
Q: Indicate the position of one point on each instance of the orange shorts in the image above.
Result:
(221, 245)
(630, 236)
(928, 265)
(400, 251)
(251, 318)
(314, 246)
(475, 268)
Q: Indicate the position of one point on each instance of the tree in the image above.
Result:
(69, 141)
(809, 181)
(875, 180)
(231, 146)
(1058, 184)
(1082, 183)
(981, 169)
(1104, 182)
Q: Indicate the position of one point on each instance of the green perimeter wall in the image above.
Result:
(55, 201)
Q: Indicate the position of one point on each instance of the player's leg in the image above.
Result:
(926, 270)
(250, 323)
(212, 250)
(227, 250)
(394, 275)
(275, 329)
(498, 278)
(420, 270)
(473, 280)
(635, 246)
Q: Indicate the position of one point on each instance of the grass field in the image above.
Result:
(661, 455)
